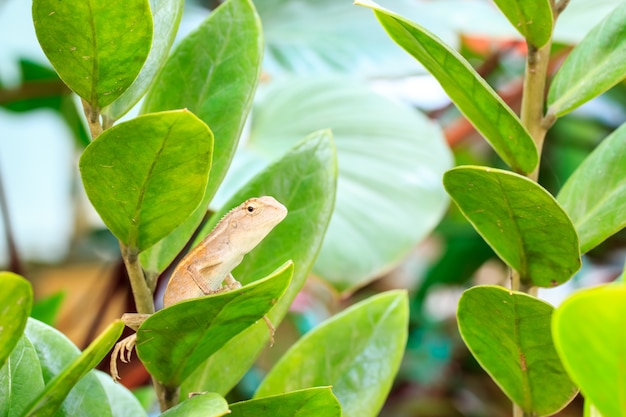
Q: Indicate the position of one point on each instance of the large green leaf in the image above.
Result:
(16, 300)
(594, 66)
(205, 405)
(520, 220)
(472, 95)
(166, 15)
(391, 161)
(508, 333)
(123, 403)
(533, 19)
(97, 47)
(64, 368)
(147, 175)
(358, 352)
(312, 402)
(214, 73)
(304, 181)
(589, 336)
(173, 342)
(20, 379)
(595, 195)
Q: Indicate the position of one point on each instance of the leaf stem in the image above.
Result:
(141, 292)
(93, 119)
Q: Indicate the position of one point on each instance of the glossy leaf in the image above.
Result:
(173, 342)
(392, 159)
(312, 402)
(205, 405)
(304, 181)
(166, 15)
(16, 300)
(588, 334)
(520, 220)
(97, 47)
(508, 333)
(20, 379)
(368, 341)
(214, 73)
(590, 410)
(147, 175)
(577, 81)
(57, 389)
(482, 106)
(533, 19)
(595, 195)
(123, 403)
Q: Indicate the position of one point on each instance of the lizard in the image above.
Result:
(203, 270)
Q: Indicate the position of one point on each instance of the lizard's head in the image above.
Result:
(254, 219)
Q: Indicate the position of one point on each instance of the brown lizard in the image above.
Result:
(202, 271)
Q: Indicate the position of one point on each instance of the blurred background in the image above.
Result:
(381, 98)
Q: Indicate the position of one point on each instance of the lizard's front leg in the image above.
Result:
(124, 348)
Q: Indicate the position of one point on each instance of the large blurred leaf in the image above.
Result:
(482, 106)
(205, 405)
(580, 17)
(589, 336)
(97, 47)
(166, 15)
(391, 159)
(16, 300)
(312, 402)
(304, 181)
(508, 333)
(520, 220)
(595, 195)
(20, 379)
(173, 342)
(147, 175)
(358, 352)
(214, 73)
(123, 403)
(533, 19)
(577, 82)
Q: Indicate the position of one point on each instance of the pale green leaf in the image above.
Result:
(16, 300)
(312, 402)
(204, 405)
(533, 19)
(20, 379)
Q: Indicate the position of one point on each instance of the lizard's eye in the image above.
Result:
(250, 209)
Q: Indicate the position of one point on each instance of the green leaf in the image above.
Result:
(205, 405)
(57, 389)
(588, 334)
(96, 46)
(173, 342)
(20, 379)
(533, 19)
(593, 66)
(312, 402)
(590, 410)
(508, 333)
(123, 403)
(595, 195)
(304, 180)
(216, 80)
(472, 95)
(358, 352)
(147, 175)
(47, 309)
(520, 220)
(166, 15)
(16, 300)
(392, 159)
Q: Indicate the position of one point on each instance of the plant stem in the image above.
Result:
(167, 396)
(93, 119)
(141, 292)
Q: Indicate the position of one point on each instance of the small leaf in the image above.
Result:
(173, 342)
(520, 220)
(166, 15)
(312, 402)
(47, 309)
(205, 405)
(16, 300)
(358, 352)
(508, 333)
(589, 337)
(472, 95)
(147, 175)
(304, 180)
(216, 80)
(595, 195)
(96, 46)
(49, 401)
(593, 66)
(533, 19)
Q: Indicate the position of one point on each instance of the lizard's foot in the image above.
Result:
(123, 350)
(271, 329)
